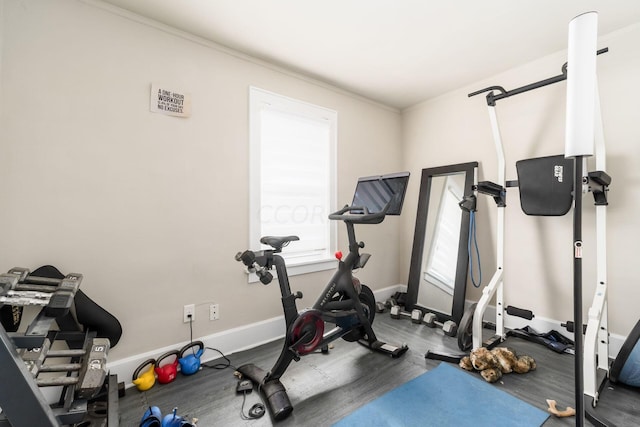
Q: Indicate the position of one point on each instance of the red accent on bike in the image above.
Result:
(309, 327)
(339, 255)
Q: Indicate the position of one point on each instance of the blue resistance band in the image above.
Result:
(473, 239)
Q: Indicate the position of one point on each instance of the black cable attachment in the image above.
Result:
(498, 192)
(469, 203)
(599, 185)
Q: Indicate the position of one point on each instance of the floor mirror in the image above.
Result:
(439, 259)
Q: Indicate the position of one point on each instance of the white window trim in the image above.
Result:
(257, 98)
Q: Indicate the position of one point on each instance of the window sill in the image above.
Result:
(301, 268)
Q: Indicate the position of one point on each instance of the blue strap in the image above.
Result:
(151, 417)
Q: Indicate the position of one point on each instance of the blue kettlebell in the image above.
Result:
(175, 420)
(190, 363)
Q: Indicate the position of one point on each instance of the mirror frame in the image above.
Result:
(419, 243)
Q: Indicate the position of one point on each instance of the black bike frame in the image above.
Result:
(331, 310)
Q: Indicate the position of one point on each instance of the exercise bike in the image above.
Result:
(345, 302)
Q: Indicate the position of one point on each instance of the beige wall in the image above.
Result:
(538, 250)
(150, 208)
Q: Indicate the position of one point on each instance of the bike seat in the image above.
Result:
(277, 242)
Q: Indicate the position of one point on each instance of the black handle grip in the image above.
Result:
(444, 357)
(570, 327)
(365, 217)
(520, 312)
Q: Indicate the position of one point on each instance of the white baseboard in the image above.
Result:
(249, 336)
(386, 293)
(229, 341)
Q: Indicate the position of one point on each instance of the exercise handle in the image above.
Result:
(520, 312)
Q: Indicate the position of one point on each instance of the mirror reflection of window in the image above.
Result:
(442, 237)
(443, 254)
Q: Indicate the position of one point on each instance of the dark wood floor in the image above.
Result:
(325, 388)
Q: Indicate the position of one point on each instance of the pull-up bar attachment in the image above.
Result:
(503, 93)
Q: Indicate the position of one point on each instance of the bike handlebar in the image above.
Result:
(365, 217)
(260, 268)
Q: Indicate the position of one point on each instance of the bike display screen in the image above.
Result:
(374, 192)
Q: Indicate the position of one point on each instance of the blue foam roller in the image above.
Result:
(630, 373)
(626, 368)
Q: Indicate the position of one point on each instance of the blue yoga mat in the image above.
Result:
(445, 396)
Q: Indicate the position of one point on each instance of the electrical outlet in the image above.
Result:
(214, 311)
(189, 313)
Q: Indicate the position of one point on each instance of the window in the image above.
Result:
(292, 178)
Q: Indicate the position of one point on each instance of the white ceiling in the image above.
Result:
(396, 52)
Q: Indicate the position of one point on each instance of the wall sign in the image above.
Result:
(169, 101)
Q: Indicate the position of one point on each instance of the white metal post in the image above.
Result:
(495, 286)
(596, 342)
(579, 143)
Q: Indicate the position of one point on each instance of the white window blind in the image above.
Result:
(293, 177)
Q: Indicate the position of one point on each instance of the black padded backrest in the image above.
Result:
(88, 313)
(546, 185)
